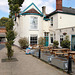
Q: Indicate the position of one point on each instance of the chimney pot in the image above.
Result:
(44, 10)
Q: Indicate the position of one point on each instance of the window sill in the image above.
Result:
(34, 30)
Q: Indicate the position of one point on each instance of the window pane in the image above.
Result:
(51, 34)
(34, 22)
(51, 21)
(61, 39)
(33, 40)
(51, 39)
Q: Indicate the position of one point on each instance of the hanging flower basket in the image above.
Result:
(64, 33)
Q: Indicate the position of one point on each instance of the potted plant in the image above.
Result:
(55, 44)
(64, 33)
(23, 43)
(65, 43)
(41, 41)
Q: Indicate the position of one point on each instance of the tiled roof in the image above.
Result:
(32, 11)
(2, 29)
(64, 10)
(68, 10)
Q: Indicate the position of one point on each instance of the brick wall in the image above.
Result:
(59, 5)
(2, 30)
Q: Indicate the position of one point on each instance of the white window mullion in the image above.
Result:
(33, 22)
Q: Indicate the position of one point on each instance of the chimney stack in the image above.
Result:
(44, 10)
(59, 5)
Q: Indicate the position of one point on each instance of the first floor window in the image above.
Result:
(33, 40)
(33, 22)
(51, 21)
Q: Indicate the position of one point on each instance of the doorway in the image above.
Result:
(73, 42)
(46, 36)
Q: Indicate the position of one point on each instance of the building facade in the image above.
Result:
(32, 23)
(2, 35)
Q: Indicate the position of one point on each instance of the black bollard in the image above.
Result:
(39, 53)
(70, 65)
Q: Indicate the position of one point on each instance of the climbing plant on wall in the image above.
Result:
(14, 7)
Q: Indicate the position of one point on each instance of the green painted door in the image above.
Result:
(46, 41)
(46, 36)
(73, 42)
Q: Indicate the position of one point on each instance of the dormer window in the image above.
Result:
(51, 21)
(33, 23)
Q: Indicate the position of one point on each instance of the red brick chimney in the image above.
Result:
(59, 5)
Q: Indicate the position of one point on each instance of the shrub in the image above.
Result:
(9, 51)
(65, 43)
(41, 41)
(55, 44)
(23, 42)
(10, 38)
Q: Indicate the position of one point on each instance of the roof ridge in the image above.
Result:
(30, 6)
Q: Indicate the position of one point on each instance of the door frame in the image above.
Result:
(46, 36)
(71, 41)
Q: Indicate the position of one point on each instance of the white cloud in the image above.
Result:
(39, 3)
(50, 5)
(4, 6)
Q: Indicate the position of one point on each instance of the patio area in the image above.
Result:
(56, 57)
(26, 65)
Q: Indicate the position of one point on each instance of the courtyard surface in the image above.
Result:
(26, 65)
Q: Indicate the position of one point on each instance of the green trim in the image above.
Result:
(73, 35)
(46, 19)
(66, 13)
(60, 12)
(71, 42)
(29, 7)
(31, 14)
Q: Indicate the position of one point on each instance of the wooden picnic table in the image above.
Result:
(61, 51)
(45, 49)
(71, 53)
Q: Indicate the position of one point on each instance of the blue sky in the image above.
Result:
(50, 5)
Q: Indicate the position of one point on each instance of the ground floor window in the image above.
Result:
(51, 37)
(33, 40)
(73, 42)
(61, 39)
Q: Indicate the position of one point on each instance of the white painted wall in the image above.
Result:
(69, 32)
(65, 20)
(46, 25)
(23, 27)
(55, 21)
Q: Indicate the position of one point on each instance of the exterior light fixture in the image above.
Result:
(72, 29)
(64, 33)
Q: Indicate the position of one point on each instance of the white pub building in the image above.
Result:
(32, 23)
